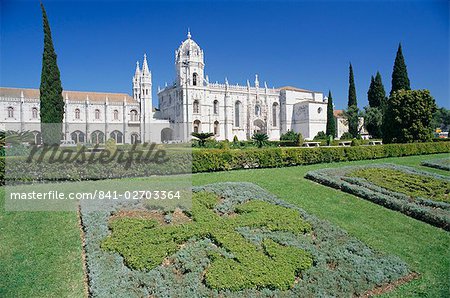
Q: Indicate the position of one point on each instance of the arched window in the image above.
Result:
(77, 136)
(197, 124)
(97, 137)
(34, 113)
(37, 137)
(77, 113)
(237, 114)
(216, 127)
(10, 112)
(135, 138)
(194, 79)
(117, 136)
(216, 107)
(275, 114)
(97, 114)
(258, 110)
(196, 107)
(134, 115)
(116, 115)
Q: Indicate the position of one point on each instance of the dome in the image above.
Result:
(189, 50)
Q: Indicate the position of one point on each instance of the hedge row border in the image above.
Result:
(434, 213)
(212, 160)
(437, 164)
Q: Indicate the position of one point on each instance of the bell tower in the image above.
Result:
(189, 63)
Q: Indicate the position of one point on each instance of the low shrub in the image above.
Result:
(328, 261)
(442, 164)
(393, 196)
(413, 185)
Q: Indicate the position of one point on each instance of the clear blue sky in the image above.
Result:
(299, 43)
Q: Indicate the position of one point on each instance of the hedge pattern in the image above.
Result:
(342, 265)
(433, 212)
(441, 163)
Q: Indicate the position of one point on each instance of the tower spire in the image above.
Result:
(145, 65)
(138, 70)
(189, 34)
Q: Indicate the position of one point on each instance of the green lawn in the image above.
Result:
(41, 252)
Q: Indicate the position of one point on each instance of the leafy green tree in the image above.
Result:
(408, 117)
(400, 80)
(202, 137)
(352, 115)
(260, 139)
(373, 121)
(51, 99)
(376, 94)
(441, 119)
(331, 122)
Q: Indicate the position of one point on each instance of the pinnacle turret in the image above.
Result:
(138, 70)
(145, 69)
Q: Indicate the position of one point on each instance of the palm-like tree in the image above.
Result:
(260, 139)
(15, 138)
(202, 137)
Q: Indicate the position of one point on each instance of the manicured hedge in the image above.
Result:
(222, 160)
(208, 160)
(342, 265)
(2, 170)
(432, 212)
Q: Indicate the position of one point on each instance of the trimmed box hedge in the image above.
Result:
(209, 160)
(425, 209)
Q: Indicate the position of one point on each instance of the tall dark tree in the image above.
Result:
(352, 112)
(331, 124)
(51, 99)
(351, 88)
(400, 80)
(376, 94)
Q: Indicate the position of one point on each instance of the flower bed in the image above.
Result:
(441, 163)
(421, 195)
(237, 240)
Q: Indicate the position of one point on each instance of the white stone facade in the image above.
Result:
(190, 104)
(194, 104)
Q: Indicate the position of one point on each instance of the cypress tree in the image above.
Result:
(400, 78)
(352, 113)
(51, 99)
(331, 124)
(376, 94)
(351, 88)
